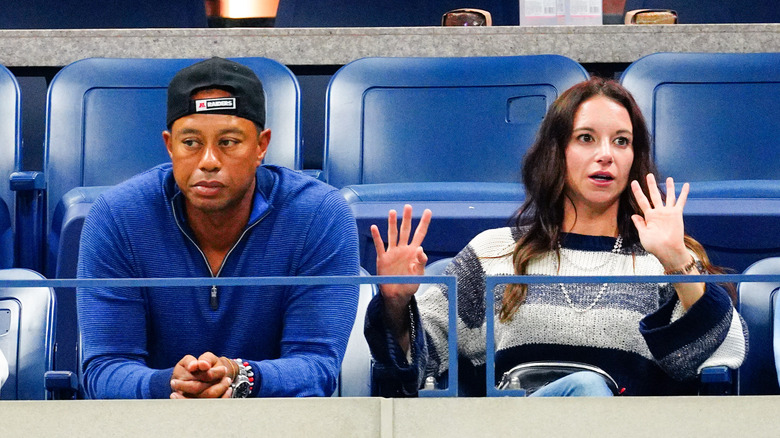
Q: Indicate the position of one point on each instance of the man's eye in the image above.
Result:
(190, 143)
(227, 142)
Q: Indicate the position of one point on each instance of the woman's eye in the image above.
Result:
(585, 138)
(622, 141)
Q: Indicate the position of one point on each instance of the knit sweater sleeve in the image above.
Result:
(113, 355)
(393, 374)
(430, 311)
(319, 318)
(434, 312)
(709, 331)
(485, 255)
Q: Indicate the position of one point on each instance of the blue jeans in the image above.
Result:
(580, 384)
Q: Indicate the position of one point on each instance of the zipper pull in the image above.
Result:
(213, 300)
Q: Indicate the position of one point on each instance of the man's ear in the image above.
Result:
(167, 139)
(263, 138)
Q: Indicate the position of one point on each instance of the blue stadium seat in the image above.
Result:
(104, 123)
(757, 304)
(27, 322)
(442, 133)
(10, 159)
(714, 122)
(393, 120)
(437, 267)
(737, 222)
(433, 268)
(713, 116)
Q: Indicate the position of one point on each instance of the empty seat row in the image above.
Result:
(442, 133)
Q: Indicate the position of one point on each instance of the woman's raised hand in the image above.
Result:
(401, 257)
(661, 230)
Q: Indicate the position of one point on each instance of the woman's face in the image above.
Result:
(599, 155)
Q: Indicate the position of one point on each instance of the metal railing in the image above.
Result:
(450, 281)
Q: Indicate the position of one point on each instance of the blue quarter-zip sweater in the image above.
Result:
(294, 337)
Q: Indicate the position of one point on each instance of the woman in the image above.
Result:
(592, 208)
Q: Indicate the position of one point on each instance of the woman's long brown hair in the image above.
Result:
(544, 177)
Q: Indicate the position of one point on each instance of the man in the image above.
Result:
(216, 212)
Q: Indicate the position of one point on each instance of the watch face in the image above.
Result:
(241, 390)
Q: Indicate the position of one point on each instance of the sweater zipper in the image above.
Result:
(214, 293)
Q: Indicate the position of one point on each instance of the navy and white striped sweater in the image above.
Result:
(638, 333)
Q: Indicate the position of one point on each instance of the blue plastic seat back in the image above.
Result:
(67, 222)
(26, 335)
(433, 268)
(713, 116)
(437, 267)
(10, 157)
(398, 120)
(757, 301)
(737, 222)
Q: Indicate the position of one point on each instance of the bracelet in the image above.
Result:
(685, 270)
(233, 368)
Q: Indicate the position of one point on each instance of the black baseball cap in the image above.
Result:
(246, 101)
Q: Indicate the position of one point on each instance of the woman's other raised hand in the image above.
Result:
(660, 227)
(662, 234)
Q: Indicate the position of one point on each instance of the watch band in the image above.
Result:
(244, 382)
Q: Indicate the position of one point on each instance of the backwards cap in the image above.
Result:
(247, 99)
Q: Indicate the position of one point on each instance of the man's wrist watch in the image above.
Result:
(244, 381)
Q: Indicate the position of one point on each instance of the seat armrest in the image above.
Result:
(30, 188)
(63, 385)
(716, 380)
(27, 180)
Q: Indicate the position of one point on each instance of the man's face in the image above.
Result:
(215, 157)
